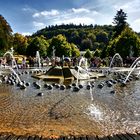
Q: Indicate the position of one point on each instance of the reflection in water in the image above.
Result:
(69, 113)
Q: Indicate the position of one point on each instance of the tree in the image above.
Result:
(96, 45)
(102, 37)
(74, 50)
(120, 22)
(5, 34)
(92, 37)
(88, 54)
(74, 37)
(103, 52)
(86, 44)
(62, 47)
(37, 44)
(97, 53)
(20, 43)
(127, 44)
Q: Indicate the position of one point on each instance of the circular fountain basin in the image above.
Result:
(58, 112)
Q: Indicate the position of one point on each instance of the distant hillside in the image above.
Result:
(84, 36)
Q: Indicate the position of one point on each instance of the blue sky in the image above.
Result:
(28, 16)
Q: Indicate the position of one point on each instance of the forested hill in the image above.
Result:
(84, 36)
(70, 39)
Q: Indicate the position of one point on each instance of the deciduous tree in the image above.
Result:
(37, 44)
(127, 44)
(20, 43)
(5, 34)
(61, 46)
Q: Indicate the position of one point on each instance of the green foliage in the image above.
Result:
(20, 43)
(86, 44)
(62, 47)
(88, 54)
(120, 22)
(37, 44)
(5, 34)
(127, 44)
(102, 36)
(103, 52)
(2, 53)
(74, 51)
(83, 36)
(105, 40)
(97, 53)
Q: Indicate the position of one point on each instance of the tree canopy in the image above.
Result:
(37, 44)
(83, 36)
(5, 34)
(88, 54)
(127, 44)
(20, 43)
(70, 39)
(61, 46)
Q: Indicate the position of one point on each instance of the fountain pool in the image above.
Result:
(101, 107)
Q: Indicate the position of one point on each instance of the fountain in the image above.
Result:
(134, 63)
(66, 73)
(13, 71)
(116, 55)
(13, 59)
(82, 60)
(102, 110)
(38, 59)
(132, 67)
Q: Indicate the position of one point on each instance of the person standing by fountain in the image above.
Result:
(24, 62)
(30, 59)
(47, 61)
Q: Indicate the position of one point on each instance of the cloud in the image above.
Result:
(100, 13)
(53, 12)
(129, 6)
(26, 33)
(136, 25)
(28, 9)
(38, 25)
(73, 15)
(76, 20)
(80, 10)
(109, 8)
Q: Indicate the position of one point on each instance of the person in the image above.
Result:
(42, 61)
(23, 62)
(47, 61)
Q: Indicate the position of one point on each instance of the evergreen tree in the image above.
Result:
(120, 22)
(88, 54)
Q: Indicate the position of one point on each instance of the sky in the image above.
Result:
(28, 16)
